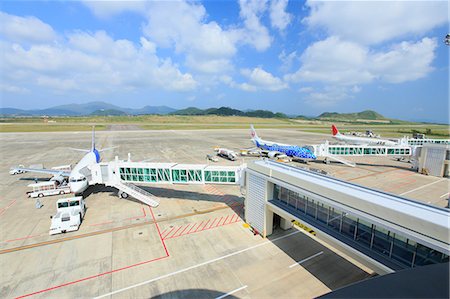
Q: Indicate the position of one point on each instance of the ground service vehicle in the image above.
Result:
(47, 188)
(14, 171)
(226, 153)
(69, 215)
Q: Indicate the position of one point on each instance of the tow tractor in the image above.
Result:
(69, 215)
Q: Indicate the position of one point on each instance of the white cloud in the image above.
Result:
(279, 18)
(108, 8)
(306, 89)
(347, 63)
(330, 95)
(406, 61)
(183, 26)
(91, 63)
(12, 88)
(369, 22)
(208, 47)
(333, 61)
(25, 29)
(255, 33)
(259, 79)
(287, 60)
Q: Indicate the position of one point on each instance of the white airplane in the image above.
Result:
(275, 148)
(77, 176)
(360, 140)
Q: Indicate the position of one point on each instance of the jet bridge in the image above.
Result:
(422, 141)
(123, 175)
(326, 149)
(337, 152)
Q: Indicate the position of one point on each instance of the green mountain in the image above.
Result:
(227, 111)
(108, 112)
(224, 111)
(364, 115)
(188, 111)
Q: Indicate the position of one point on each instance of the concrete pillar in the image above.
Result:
(285, 224)
(268, 223)
(268, 229)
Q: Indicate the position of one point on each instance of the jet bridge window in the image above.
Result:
(194, 175)
(150, 175)
(220, 176)
(163, 175)
(179, 175)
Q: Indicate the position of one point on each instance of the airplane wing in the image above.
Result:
(79, 150)
(107, 148)
(47, 171)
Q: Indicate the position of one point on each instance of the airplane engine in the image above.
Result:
(58, 178)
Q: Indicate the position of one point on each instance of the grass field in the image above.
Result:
(157, 122)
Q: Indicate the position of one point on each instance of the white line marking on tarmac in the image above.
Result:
(444, 195)
(229, 293)
(421, 187)
(193, 267)
(306, 259)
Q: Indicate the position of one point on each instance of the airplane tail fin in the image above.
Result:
(93, 139)
(334, 130)
(253, 132)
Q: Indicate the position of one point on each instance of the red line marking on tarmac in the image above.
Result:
(137, 217)
(212, 223)
(159, 233)
(191, 228)
(206, 224)
(219, 221)
(181, 233)
(225, 220)
(164, 231)
(175, 232)
(169, 232)
(3, 210)
(27, 237)
(223, 224)
(231, 219)
(108, 272)
(199, 225)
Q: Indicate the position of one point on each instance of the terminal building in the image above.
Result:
(383, 231)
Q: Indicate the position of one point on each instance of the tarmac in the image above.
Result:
(193, 245)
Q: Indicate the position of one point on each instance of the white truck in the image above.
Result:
(69, 215)
(47, 188)
(14, 170)
(226, 153)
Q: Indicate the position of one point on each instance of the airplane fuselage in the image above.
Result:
(364, 140)
(78, 181)
(288, 150)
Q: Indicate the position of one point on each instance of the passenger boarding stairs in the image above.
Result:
(127, 189)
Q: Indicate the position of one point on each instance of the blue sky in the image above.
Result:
(294, 57)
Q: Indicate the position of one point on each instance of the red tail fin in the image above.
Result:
(334, 130)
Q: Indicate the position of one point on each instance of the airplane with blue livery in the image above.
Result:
(274, 148)
(77, 177)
